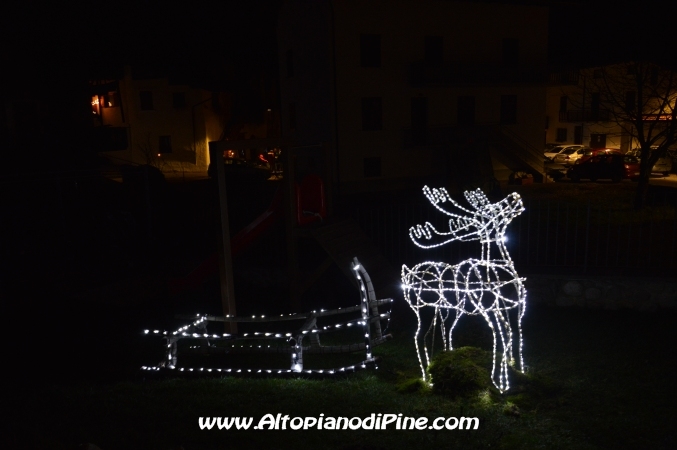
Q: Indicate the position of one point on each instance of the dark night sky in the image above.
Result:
(57, 41)
(233, 39)
(605, 31)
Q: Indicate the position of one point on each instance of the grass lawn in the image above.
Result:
(606, 381)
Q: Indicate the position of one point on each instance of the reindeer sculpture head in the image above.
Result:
(486, 222)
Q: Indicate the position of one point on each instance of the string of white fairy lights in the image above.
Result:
(370, 318)
(482, 286)
(353, 368)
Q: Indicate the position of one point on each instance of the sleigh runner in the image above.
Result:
(297, 342)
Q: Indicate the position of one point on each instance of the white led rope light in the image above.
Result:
(487, 287)
(221, 370)
(370, 317)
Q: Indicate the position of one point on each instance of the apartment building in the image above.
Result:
(599, 106)
(150, 120)
(408, 91)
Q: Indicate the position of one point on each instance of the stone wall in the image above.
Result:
(643, 294)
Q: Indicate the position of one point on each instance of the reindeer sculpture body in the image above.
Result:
(487, 287)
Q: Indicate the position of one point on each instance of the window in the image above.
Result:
(370, 50)
(419, 120)
(597, 140)
(111, 100)
(508, 109)
(594, 106)
(165, 144)
(630, 101)
(146, 100)
(372, 167)
(179, 99)
(578, 134)
(290, 63)
(510, 52)
(433, 55)
(561, 135)
(465, 109)
(292, 116)
(372, 115)
(563, 103)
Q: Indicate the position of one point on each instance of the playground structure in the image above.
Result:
(292, 342)
(303, 203)
(487, 287)
(310, 209)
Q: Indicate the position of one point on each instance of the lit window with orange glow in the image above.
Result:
(96, 107)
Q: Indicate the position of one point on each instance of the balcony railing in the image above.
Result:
(454, 74)
(585, 115)
(563, 77)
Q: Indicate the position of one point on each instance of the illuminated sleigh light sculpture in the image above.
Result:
(296, 342)
(487, 287)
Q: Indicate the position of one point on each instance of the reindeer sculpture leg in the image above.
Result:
(408, 280)
(459, 313)
(421, 289)
(505, 333)
(430, 337)
(521, 307)
(493, 333)
(416, 339)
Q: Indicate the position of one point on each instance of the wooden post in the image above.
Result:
(226, 259)
(290, 227)
(328, 176)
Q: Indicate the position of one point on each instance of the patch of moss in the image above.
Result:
(412, 385)
(461, 372)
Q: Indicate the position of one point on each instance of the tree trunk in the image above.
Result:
(640, 193)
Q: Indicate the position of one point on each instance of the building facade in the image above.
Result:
(407, 91)
(575, 115)
(143, 120)
(607, 106)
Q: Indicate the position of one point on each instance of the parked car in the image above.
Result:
(570, 154)
(239, 169)
(663, 165)
(551, 154)
(586, 153)
(614, 166)
(589, 153)
(550, 145)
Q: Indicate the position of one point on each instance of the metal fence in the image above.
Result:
(548, 237)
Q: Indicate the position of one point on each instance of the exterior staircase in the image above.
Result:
(515, 153)
(473, 146)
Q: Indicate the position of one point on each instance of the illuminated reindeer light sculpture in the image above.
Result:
(485, 286)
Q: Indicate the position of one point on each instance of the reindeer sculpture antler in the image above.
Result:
(486, 223)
